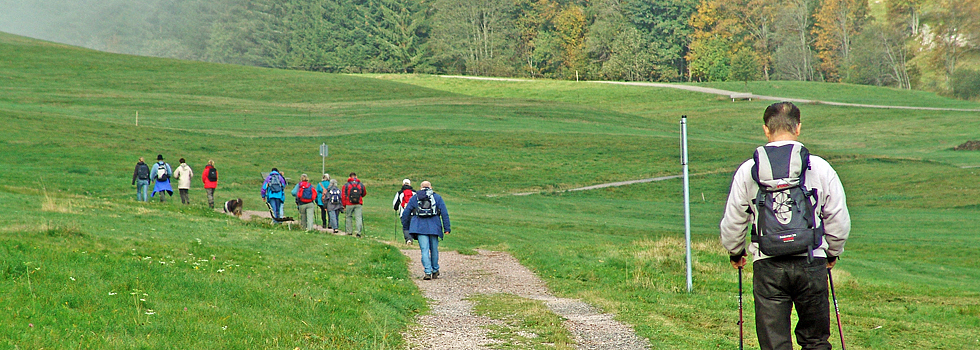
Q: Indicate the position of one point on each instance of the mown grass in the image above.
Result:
(72, 234)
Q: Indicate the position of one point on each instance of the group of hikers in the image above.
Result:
(326, 195)
(160, 173)
(789, 202)
(422, 214)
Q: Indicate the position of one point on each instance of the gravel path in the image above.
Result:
(452, 324)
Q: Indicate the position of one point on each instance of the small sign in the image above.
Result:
(323, 150)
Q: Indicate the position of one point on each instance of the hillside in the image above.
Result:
(84, 265)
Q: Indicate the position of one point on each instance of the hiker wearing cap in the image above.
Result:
(305, 194)
(799, 223)
(161, 173)
(401, 199)
(273, 192)
(183, 174)
(426, 219)
(141, 178)
(352, 196)
(210, 179)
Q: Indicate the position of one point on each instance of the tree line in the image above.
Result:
(901, 43)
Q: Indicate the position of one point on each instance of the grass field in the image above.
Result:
(82, 265)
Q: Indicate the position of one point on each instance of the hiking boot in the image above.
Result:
(435, 274)
(358, 235)
(427, 276)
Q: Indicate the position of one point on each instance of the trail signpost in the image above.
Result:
(323, 154)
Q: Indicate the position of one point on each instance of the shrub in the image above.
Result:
(966, 84)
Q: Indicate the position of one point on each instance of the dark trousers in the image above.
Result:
(210, 192)
(779, 285)
(323, 215)
(183, 196)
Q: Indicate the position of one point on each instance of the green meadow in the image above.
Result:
(83, 265)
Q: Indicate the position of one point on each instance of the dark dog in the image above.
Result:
(234, 206)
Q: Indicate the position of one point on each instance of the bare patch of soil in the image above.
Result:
(968, 146)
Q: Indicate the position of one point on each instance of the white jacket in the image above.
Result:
(183, 174)
(831, 209)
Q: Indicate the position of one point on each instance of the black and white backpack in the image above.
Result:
(785, 220)
(162, 174)
(427, 204)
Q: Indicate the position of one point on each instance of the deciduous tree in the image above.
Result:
(836, 23)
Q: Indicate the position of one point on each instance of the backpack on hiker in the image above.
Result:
(427, 205)
(306, 193)
(331, 196)
(212, 174)
(162, 174)
(785, 221)
(142, 172)
(354, 192)
(275, 185)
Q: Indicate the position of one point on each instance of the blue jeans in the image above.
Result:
(141, 186)
(332, 215)
(276, 204)
(430, 252)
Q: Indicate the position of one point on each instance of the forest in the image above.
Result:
(910, 44)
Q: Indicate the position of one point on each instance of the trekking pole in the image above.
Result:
(741, 333)
(840, 328)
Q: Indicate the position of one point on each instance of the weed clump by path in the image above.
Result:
(968, 146)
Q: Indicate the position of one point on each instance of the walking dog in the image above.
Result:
(234, 206)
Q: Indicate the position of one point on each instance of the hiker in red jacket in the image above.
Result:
(352, 195)
(305, 194)
(210, 179)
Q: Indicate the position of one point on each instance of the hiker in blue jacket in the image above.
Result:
(321, 188)
(161, 173)
(274, 191)
(427, 220)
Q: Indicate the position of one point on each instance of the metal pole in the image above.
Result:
(323, 155)
(687, 201)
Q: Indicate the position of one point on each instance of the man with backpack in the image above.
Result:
(401, 199)
(305, 194)
(141, 178)
(793, 206)
(352, 196)
(210, 179)
(161, 173)
(273, 192)
(426, 219)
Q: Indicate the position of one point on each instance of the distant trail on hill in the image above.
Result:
(610, 184)
(734, 93)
